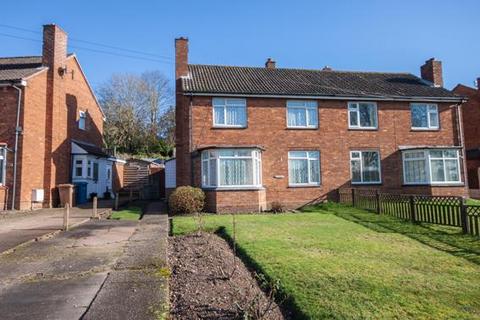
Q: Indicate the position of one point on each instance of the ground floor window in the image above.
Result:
(365, 167)
(231, 168)
(3, 165)
(437, 166)
(303, 168)
(79, 168)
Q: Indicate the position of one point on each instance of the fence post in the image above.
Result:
(377, 198)
(94, 209)
(66, 216)
(353, 197)
(117, 195)
(463, 215)
(413, 216)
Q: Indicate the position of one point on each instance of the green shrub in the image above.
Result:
(186, 200)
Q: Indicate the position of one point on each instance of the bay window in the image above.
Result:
(231, 168)
(229, 112)
(303, 168)
(436, 166)
(362, 115)
(365, 167)
(78, 168)
(3, 165)
(302, 114)
(424, 116)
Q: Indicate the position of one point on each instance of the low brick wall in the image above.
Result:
(235, 201)
(3, 198)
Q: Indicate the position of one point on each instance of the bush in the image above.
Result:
(277, 207)
(186, 200)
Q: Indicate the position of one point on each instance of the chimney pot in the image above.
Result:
(181, 57)
(270, 64)
(432, 71)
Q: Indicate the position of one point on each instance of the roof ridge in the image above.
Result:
(17, 57)
(300, 69)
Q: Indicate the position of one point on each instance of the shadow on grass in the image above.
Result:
(444, 238)
(287, 304)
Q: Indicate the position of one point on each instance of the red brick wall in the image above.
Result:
(267, 127)
(238, 201)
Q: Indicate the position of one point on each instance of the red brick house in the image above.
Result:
(471, 129)
(250, 136)
(51, 127)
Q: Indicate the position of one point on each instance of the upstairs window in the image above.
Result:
(424, 116)
(82, 120)
(362, 115)
(304, 168)
(3, 165)
(365, 167)
(302, 114)
(439, 166)
(229, 113)
(231, 168)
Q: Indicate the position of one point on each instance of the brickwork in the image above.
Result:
(237, 201)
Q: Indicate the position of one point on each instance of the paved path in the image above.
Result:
(58, 278)
(103, 269)
(18, 228)
(137, 288)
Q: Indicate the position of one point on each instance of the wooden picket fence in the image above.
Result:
(443, 210)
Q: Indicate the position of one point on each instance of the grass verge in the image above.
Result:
(129, 213)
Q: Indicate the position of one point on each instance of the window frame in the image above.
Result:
(305, 107)
(81, 165)
(310, 183)
(428, 168)
(82, 120)
(359, 126)
(361, 151)
(3, 165)
(429, 126)
(225, 106)
(208, 156)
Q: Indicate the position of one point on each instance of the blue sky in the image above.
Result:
(346, 35)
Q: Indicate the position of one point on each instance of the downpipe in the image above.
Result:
(18, 131)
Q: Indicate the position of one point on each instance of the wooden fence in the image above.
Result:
(443, 210)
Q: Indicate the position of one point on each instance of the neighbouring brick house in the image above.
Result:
(471, 129)
(50, 128)
(251, 136)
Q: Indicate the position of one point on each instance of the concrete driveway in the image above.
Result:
(18, 228)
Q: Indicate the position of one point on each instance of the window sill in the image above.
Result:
(453, 184)
(301, 128)
(252, 188)
(304, 186)
(366, 183)
(424, 130)
(229, 127)
(362, 129)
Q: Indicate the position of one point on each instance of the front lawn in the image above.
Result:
(129, 213)
(342, 262)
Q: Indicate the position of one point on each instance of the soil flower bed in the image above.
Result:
(207, 283)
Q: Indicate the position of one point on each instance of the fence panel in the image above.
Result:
(397, 205)
(345, 196)
(444, 210)
(473, 220)
(366, 199)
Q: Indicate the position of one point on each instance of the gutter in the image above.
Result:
(351, 98)
(18, 130)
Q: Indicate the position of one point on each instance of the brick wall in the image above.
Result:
(267, 127)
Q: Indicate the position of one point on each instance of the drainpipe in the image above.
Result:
(462, 143)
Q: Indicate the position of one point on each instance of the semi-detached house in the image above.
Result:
(250, 136)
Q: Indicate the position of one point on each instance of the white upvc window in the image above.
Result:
(3, 165)
(304, 168)
(302, 114)
(82, 118)
(365, 167)
(78, 168)
(231, 168)
(435, 166)
(424, 116)
(89, 168)
(362, 115)
(229, 113)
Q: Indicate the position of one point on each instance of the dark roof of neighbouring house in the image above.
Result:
(211, 79)
(93, 150)
(18, 68)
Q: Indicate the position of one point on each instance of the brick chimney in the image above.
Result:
(432, 71)
(181, 57)
(54, 47)
(478, 83)
(270, 64)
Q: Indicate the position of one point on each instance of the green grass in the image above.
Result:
(130, 213)
(345, 263)
(473, 202)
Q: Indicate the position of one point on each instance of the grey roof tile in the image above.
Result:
(17, 68)
(300, 82)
